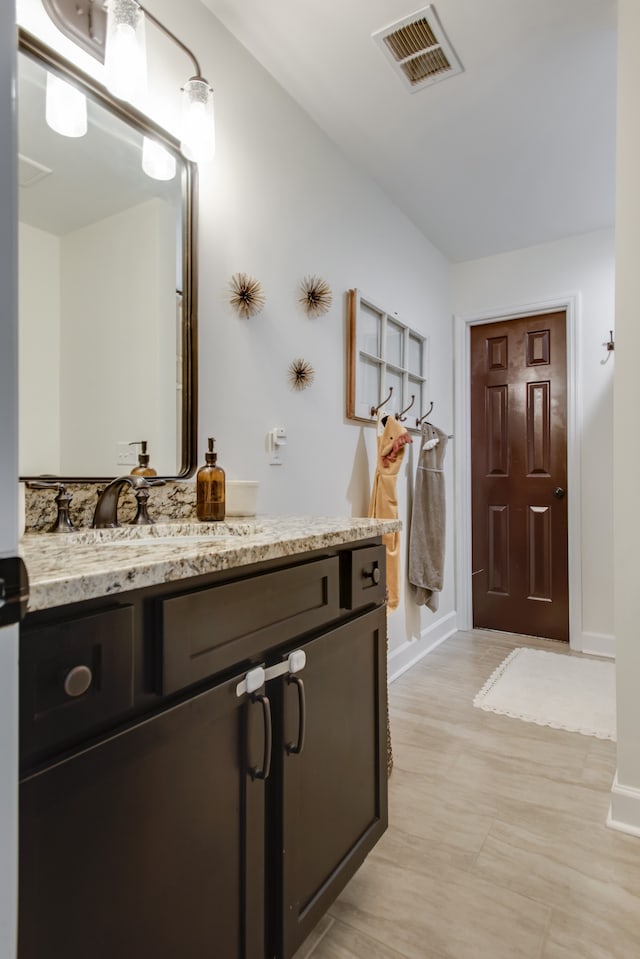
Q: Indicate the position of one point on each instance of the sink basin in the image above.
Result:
(175, 541)
(161, 534)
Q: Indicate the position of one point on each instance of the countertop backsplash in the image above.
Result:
(170, 502)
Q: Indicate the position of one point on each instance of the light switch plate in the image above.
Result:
(126, 455)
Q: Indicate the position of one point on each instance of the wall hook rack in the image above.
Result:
(399, 416)
(424, 415)
(610, 347)
(374, 409)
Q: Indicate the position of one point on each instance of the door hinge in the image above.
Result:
(14, 590)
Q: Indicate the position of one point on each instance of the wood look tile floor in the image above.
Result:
(497, 846)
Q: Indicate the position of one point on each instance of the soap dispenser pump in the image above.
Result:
(210, 488)
(143, 468)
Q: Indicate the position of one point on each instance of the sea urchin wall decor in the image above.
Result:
(316, 296)
(247, 297)
(301, 374)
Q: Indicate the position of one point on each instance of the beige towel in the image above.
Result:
(427, 534)
(392, 438)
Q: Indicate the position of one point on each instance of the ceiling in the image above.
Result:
(518, 149)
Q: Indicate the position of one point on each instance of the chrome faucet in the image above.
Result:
(106, 511)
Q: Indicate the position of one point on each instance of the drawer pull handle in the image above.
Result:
(373, 574)
(294, 749)
(77, 681)
(263, 773)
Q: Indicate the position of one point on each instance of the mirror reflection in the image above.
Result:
(103, 289)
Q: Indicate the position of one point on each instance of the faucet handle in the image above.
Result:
(62, 522)
(141, 493)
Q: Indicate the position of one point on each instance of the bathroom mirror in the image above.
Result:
(107, 322)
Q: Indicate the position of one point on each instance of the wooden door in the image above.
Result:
(150, 843)
(519, 476)
(334, 792)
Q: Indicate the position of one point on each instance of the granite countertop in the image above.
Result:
(69, 568)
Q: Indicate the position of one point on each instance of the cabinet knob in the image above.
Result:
(373, 574)
(77, 681)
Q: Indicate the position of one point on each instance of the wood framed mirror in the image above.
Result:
(107, 287)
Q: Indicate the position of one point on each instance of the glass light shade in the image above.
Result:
(65, 108)
(198, 129)
(157, 162)
(125, 60)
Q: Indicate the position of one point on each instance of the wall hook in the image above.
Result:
(610, 347)
(374, 409)
(424, 416)
(399, 415)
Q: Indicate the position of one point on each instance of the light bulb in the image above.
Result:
(157, 162)
(125, 60)
(198, 130)
(65, 108)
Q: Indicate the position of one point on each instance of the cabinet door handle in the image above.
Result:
(297, 747)
(373, 574)
(263, 773)
(77, 681)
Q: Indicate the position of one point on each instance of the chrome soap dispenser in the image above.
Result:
(210, 488)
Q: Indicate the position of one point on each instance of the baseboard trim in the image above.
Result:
(598, 644)
(624, 811)
(411, 652)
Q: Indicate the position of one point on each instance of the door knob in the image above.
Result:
(559, 492)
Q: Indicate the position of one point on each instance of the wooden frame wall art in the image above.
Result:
(383, 352)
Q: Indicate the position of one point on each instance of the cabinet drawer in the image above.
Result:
(210, 630)
(364, 576)
(75, 676)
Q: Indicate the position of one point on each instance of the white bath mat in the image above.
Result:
(550, 689)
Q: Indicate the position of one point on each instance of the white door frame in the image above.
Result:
(462, 352)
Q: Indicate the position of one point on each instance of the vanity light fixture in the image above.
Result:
(65, 107)
(198, 125)
(157, 162)
(125, 54)
(114, 32)
(125, 65)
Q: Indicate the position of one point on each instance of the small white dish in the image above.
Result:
(241, 497)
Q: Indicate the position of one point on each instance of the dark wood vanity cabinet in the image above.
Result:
(149, 843)
(192, 817)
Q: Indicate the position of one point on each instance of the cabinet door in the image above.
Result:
(334, 792)
(150, 843)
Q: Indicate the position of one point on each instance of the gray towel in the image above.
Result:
(427, 533)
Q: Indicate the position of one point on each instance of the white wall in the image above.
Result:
(39, 350)
(583, 265)
(84, 337)
(8, 482)
(280, 202)
(107, 328)
(625, 800)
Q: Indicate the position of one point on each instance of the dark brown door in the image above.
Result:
(519, 476)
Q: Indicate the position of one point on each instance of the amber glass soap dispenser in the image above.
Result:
(143, 468)
(210, 488)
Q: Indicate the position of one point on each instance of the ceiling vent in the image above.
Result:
(418, 49)
(30, 172)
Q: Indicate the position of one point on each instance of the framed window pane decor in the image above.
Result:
(383, 352)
